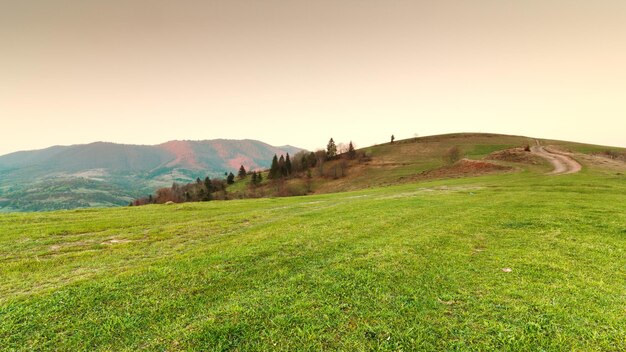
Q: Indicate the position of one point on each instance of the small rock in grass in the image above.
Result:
(507, 270)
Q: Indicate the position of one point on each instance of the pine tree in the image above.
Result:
(208, 184)
(351, 151)
(311, 160)
(242, 172)
(304, 162)
(230, 179)
(253, 181)
(331, 149)
(392, 138)
(259, 178)
(274, 168)
(288, 164)
(282, 169)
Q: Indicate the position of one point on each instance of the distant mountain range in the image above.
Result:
(108, 174)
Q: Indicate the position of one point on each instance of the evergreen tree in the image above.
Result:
(209, 189)
(392, 138)
(331, 149)
(288, 164)
(304, 163)
(311, 159)
(254, 180)
(259, 178)
(198, 180)
(230, 179)
(208, 184)
(274, 168)
(351, 151)
(242, 172)
(282, 167)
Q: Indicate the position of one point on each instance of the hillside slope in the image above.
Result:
(507, 261)
(428, 158)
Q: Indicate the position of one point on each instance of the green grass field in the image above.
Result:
(410, 267)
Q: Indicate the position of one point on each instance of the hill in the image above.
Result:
(108, 174)
(428, 158)
(505, 260)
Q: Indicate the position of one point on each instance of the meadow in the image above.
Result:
(514, 261)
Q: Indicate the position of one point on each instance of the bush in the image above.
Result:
(453, 155)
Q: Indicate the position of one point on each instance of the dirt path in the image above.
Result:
(562, 162)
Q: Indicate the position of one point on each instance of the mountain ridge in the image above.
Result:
(48, 179)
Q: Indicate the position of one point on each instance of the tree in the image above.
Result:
(208, 184)
(331, 149)
(282, 167)
(299, 161)
(210, 188)
(253, 181)
(351, 151)
(259, 178)
(453, 154)
(274, 168)
(230, 179)
(242, 172)
(311, 159)
(304, 163)
(392, 139)
(288, 164)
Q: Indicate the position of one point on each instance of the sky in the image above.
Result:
(300, 72)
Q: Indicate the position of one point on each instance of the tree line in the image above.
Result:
(282, 168)
(199, 191)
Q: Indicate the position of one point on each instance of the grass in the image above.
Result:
(408, 267)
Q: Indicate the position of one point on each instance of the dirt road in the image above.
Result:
(562, 162)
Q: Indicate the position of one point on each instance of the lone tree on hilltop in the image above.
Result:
(331, 149)
(393, 138)
(230, 179)
(242, 172)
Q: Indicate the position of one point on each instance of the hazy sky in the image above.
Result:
(300, 72)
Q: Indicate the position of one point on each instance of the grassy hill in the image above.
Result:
(514, 260)
(425, 158)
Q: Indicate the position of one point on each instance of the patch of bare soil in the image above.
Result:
(463, 168)
(515, 155)
(115, 241)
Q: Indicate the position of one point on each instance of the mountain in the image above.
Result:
(108, 174)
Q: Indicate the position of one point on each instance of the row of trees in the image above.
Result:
(281, 168)
(285, 167)
(199, 191)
